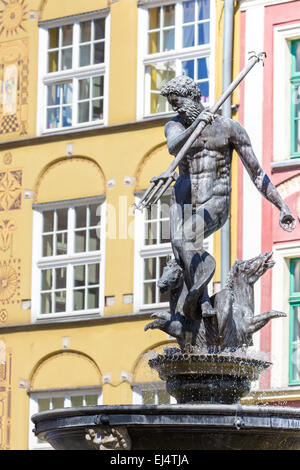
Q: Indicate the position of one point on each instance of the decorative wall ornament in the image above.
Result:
(12, 17)
(10, 281)
(108, 438)
(14, 86)
(7, 228)
(7, 158)
(3, 316)
(10, 190)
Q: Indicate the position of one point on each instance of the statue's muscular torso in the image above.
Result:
(208, 162)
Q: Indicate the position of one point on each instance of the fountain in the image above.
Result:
(214, 364)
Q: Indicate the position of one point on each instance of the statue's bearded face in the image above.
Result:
(187, 108)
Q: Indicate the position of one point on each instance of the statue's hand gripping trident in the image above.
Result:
(160, 184)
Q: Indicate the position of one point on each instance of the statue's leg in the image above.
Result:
(189, 227)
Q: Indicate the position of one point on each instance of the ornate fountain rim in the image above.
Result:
(208, 364)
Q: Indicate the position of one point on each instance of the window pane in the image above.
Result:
(48, 221)
(204, 87)
(60, 278)
(80, 216)
(169, 15)
(161, 74)
(46, 279)
(296, 362)
(99, 29)
(53, 95)
(79, 276)
(164, 207)
(95, 211)
(296, 323)
(204, 9)
(154, 43)
(158, 103)
(154, 18)
(150, 293)
(44, 404)
(162, 264)
(188, 11)
(188, 68)
(93, 298)
(66, 59)
(297, 56)
(67, 35)
(62, 219)
(151, 212)
(163, 397)
(85, 31)
(66, 93)
(94, 241)
(77, 400)
(203, 33)
(296, 276)
(97, 109)
(169, 40)
(79, 302)
(297, 136)
(203, 68)
(97, 86)
(85, 55)
(84, 112)
(60, 301)
(47, 245)
(67, 116)
(46, 303)
(151, 233)
(53, 38)
(53, 119)
(99, 52)
(165, 231)
(58, 402)
(148, 397)
(61, 244)
(188, 36)
(93, 274)
(80, 241)
(91, 400)
(150, 268)
(84, 89)
(53, 61)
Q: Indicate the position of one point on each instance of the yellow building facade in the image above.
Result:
(81, 134)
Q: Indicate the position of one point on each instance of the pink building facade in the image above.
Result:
(270, 112)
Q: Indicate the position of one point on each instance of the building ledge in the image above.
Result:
(145, 123)
(272, 395)
(80, 322)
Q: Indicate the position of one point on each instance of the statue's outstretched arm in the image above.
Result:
(242, 145)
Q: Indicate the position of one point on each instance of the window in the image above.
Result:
(154, 250)
(68, 258)
(295, 94)
(178, 41)
(73, 74)
(295, 321)
(52, 400)
(152, 394)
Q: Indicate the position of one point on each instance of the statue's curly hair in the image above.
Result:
(183, 86)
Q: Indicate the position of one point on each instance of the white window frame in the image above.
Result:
(74, 74)
(68, 261)
(282, 254)
(137, 389)
(177, 55)
(142, 251)
(283, 36)
(33, 443)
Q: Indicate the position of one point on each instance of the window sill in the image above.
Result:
(286, 164)
(72, 129)
(68, 317)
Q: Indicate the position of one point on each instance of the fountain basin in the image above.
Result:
(175, 427)
(207, 378)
